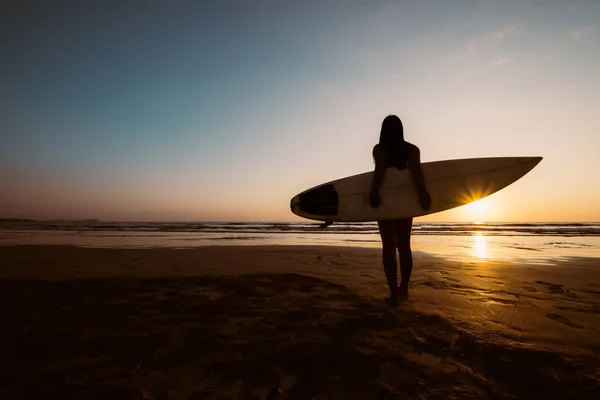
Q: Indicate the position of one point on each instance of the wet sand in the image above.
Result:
(237, 322)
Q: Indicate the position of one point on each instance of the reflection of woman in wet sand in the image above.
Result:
(393, 151)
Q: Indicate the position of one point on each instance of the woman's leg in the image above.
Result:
(403, 230)
(388, 241)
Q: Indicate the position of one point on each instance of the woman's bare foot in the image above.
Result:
(403, 291)
(392, 302)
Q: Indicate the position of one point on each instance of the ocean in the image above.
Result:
(518, 242)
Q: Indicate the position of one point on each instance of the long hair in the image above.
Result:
(391, 139)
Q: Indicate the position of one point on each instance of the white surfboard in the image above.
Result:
(451, 183)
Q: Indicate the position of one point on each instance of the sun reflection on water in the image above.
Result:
(480, 249)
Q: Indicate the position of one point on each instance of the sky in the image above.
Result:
(224, 110)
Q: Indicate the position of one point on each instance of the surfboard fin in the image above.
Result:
(325, 224)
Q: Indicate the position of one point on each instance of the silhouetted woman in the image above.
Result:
(393, 151)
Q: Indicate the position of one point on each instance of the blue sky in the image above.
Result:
(225, 110)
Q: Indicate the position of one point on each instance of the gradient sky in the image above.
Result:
(198, 110)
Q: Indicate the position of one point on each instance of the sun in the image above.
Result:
(477, 210)
(478, 206)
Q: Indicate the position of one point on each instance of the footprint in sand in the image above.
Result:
(530, 289)
(564, 320)
(433, 284)
(553, 288)
(591, 310)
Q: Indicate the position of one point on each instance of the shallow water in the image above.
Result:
(531, 242)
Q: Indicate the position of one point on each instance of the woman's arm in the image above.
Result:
(379, 172)
(417, 174)
(378, 175)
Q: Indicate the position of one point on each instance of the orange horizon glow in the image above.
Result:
(226, 115)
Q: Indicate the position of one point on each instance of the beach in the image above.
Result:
(192, 196)
(238, 322)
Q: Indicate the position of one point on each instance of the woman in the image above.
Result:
(393, 151)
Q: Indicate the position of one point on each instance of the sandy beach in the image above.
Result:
(194, 197)
(237, 322)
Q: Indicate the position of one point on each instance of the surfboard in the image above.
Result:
(451, 183)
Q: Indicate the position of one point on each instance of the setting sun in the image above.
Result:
(478, 206)
(477, 210)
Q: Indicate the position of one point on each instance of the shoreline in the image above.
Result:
(463, 248)
(282, 310)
